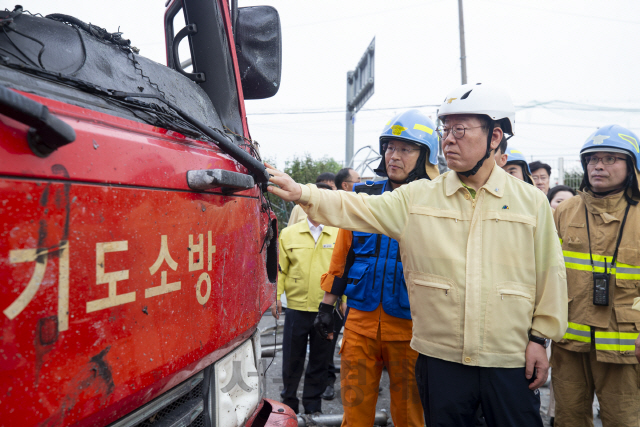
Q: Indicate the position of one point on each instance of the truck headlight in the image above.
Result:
(238, 381)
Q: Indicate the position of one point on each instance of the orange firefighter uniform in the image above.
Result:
(373, 339)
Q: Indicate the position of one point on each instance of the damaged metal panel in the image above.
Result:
(75, 53)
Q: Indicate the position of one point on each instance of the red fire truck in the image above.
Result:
(137, 250)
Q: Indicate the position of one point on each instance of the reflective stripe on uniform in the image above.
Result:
(578, 332)
(581, 261)
(616, 341)
(627, 272)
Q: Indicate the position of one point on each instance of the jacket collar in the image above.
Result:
(494, 185)
(598, 205)
(305, 228)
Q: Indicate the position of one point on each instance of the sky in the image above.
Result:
(570, 66)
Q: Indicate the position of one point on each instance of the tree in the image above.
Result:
(573, 178)
(303, 170)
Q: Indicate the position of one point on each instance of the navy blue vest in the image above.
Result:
(376, 275)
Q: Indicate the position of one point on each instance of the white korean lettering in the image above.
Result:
(63, 286)
(163, 256)
(40, 256)
(27, 255)
(196, 249)
(112, 278)
(202, 299)
(211, 251)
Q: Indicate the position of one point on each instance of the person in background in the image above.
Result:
(305, 253)
(556, 195)
(501, 153)
(326, 179)
(517, 166)
(541, 174)
(346, 178)
(599, 231)
(368, 269)
(297, 215)
(560, 193)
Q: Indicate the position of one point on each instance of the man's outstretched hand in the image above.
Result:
(289, 190)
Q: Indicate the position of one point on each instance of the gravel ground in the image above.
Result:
(274, 377)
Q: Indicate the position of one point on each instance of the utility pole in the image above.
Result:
(351, 116)
(463, 55)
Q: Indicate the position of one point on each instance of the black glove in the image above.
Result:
(324, 320)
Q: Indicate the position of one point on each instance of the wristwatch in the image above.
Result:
(542, 341)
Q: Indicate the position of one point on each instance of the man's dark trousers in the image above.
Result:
(451, 393)
(337, 327)
(298, 330)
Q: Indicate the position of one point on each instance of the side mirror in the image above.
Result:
(259, 49)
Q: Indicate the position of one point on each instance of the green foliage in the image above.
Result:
(303, 170)
(573, 178)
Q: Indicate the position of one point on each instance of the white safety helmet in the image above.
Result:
(482, 99)
(486, 100)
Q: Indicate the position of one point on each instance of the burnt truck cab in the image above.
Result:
(137, 250)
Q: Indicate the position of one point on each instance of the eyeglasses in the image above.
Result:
(401, 151)
(541, 178)
(457, 130)
(606, 160)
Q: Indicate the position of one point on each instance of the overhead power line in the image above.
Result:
(549, 105)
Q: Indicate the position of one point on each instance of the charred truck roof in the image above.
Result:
(66, 59)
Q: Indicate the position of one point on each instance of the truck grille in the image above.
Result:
(182, 406)
(185, 403)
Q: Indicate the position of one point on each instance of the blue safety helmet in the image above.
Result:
(515, 156)
(413, 127)
(616, 139)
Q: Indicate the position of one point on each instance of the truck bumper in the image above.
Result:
(271, 414)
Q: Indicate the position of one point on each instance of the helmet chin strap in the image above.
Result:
(478, 165)
(418, 171)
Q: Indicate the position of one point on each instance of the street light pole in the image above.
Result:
(463, 56)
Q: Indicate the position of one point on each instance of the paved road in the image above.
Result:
(274, 376)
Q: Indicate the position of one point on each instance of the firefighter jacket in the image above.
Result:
(372, 273)
(375, 324)
(614, 327)
(302, 263)
(481, 272)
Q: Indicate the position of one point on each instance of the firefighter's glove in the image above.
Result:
(324, 320)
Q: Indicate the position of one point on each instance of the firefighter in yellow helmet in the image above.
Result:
(599, 230)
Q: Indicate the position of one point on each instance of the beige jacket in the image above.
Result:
(297, 215)
(616, 326)
(481, 273)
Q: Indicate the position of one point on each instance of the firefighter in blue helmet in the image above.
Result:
(517, 165)
(414, 128)
(599, 230)
(367, 268)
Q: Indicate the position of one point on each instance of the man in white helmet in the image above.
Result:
(482, 262)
